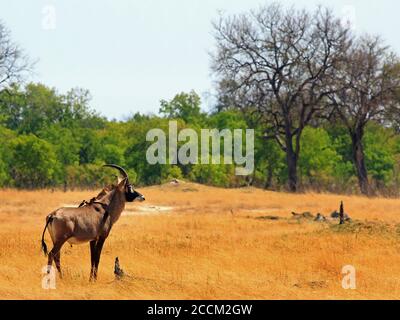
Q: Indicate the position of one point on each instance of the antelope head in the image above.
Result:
(130, 193)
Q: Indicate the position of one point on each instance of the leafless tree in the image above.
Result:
(278, 63)
(366, 83)
(392, 110)
(14, 64)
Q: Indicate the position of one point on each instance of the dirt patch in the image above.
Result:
(146, 209)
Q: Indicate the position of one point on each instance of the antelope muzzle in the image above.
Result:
(132, 195)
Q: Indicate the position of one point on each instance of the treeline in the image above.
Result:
(52, 140)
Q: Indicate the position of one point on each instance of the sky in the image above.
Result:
(132, 54)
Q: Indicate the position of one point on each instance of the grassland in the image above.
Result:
(196, 242)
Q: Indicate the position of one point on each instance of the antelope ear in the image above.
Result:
(121, 184)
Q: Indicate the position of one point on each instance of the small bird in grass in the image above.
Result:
(119, 273)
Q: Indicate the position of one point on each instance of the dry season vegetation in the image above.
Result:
(195, 242)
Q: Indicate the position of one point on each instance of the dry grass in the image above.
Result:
(209, 246)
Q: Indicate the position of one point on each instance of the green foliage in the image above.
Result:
(217, 175)
(171, 172)
(89, 176)
(113, 154)
(34, 162)
(55, 140)
(91, 147)
(6, 136)
(270, 168)
(228, 119)
(35, 107)
(185, 106)
(319, 158)
(341, 142)
(380, 153)
(135, 154)
(65, 143)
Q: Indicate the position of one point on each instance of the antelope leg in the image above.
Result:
(99, 247)
(92, 258)
(54, 252)
(57, 260)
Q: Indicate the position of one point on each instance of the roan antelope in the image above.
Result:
(91, 222)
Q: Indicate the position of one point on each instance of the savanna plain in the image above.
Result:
(189, 241)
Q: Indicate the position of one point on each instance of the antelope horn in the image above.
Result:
(120, 169)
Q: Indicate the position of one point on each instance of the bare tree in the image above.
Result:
(277, 63)
(392, 110)
(14, 64)
(366, 84)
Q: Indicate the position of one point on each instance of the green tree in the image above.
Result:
(135, 154)
(6, 136)
(185, 106)
(113, 154)
(319, 158)
(41, 106)
(380, 150)
(91, 147)
(34, 163)
(218, 175)
(36, 106)
(65, 143)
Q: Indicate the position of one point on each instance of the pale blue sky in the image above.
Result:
(131, 54)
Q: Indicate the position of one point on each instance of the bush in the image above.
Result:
(35, 163)
(319, 159)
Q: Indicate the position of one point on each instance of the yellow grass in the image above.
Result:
(209, 246)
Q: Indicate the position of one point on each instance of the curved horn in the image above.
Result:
(120, 169)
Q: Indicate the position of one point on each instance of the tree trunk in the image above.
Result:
(291, 159)
(291, 162)
(268, 182)
(359, 162)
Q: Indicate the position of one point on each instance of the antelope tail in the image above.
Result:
(49, 218)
